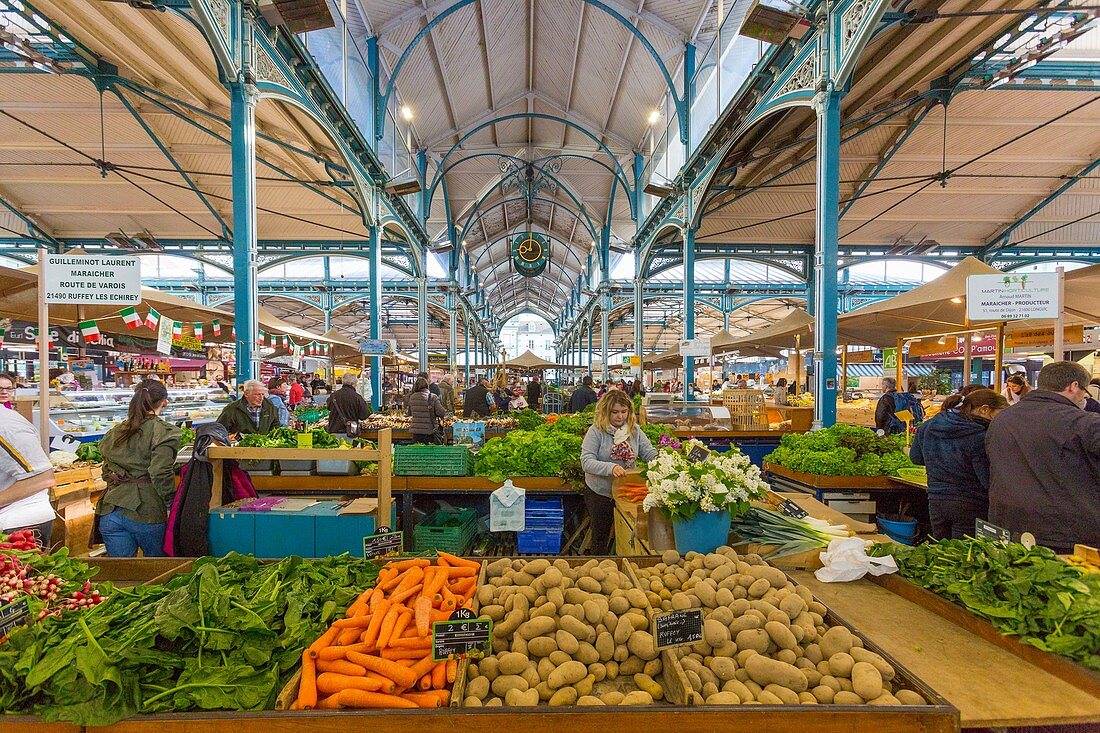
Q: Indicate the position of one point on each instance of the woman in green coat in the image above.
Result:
(138, 458)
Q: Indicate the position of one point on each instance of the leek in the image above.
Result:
(792, 536)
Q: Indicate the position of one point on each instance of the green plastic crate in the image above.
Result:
(433, 460)
(435, 534)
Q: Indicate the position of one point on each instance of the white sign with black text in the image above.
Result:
(1012, 297)
(93, 279)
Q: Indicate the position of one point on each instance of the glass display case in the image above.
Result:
(91, 413)
(688, 416)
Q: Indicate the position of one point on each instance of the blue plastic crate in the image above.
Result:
(544, 514)
(537, 541)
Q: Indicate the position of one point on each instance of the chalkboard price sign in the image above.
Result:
(461, 636)
(791, 509)
(698, 454)
(678, 628)
(382, 543)
(987, 531)
(14, 615)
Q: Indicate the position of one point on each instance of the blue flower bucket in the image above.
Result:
(705, 532)
(902, 532)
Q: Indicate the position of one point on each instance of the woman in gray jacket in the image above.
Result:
(613, 444)
(426, 411)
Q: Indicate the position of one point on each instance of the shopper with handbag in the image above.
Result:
(427, 412)
(346, 407)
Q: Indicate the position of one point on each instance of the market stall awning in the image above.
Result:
(671, 359)
(779, 335)
(937, 306)
(1082, 295)
(529, 361)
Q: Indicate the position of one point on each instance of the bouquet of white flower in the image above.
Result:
(681, 486)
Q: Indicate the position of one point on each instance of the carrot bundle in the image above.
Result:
(379, 654)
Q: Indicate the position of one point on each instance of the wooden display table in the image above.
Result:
(383, 454)
(802, 418)
(815, 481)
(989, 685)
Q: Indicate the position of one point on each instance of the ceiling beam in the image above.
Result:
(441, 73)
(618, 85)
(487, 65)
(573, 68)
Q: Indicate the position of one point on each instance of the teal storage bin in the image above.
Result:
(337, 534)
(281, 534)
(230, 530)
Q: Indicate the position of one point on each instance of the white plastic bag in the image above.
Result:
(846, 559)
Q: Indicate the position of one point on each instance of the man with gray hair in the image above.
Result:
(346, 407)
(1044, 456)
(252, 413)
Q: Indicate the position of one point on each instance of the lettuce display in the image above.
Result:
(842, 450)
(225, 636)
(287, 438)
(548, 450)
(1028, 593)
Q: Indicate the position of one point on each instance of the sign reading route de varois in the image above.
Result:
(93, 279)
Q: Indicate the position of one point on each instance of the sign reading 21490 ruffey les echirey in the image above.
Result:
(93, 279)
(1012, 297)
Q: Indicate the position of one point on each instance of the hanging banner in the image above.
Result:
(164, 336)
(695, 347)
(92, 279)
(1012, 297)
(1044, 337)
(23, 333)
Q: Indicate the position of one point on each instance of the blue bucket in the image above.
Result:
(705, 532)
(901, 532)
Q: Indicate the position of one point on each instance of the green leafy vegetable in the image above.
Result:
(548, 450)
(187, 436)
(222, 637)
(1031, 594)
(841, 450)
(89, 452)
(528, 419)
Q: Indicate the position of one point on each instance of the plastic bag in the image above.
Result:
(846, 559)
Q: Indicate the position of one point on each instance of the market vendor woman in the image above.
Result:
(613, 445)
(253, 413)
(138, 455)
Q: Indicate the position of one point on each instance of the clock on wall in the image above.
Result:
(530, 254)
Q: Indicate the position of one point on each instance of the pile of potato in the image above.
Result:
(564, 636)
(764, 639)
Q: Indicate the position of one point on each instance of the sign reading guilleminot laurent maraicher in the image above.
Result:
(1012, 297)
(93, 279)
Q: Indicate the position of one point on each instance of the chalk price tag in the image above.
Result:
(463, 635)
(678, 628)
(983, 530)
(791, 509)
(305, 440)
(383, 542)
(698, 454)
(14, 615)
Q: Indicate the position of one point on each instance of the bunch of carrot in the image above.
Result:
(380, 654)
(635, 493)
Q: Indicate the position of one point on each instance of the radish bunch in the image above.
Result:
(19, 578)
(22, 540)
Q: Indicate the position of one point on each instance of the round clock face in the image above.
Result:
(530, 254)
(529, 250)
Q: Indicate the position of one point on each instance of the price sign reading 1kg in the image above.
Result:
(14, 615)
(384, 542)
(678, 628)
(461, 636)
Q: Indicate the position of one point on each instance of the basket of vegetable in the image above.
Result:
(432, 460)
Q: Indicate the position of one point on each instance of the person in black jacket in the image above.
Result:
(952, 446)
(426, 411)
(583, 396)
(1045, 468)
(346, 404)
(476, 402)
(534, 393)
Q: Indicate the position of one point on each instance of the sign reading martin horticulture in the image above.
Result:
(695, 347)
(1012, 297)
(93, 279)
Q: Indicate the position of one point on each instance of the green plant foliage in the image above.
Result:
(528, 419)
(225, 636)
(1029, 593)
(548, 450)
(90, 451)
(842, 450)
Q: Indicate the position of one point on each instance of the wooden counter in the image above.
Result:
(990, 686)
(852, 483)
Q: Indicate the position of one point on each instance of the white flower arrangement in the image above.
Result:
(681, 487)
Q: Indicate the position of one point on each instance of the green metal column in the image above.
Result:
(466, 348)
(422, 313)
(689, 305)
(374, 250)
(826, 264)
(242, 112)
(452, 338)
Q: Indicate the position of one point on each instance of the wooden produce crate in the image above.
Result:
(1057, 665)
(831, 482)
(74, 497)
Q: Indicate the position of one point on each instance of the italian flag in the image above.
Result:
(217, 328)
(177, 329)
(89, 331)
(130, 317)
(198, 331)
(262, 338)
(152, 319)
(51, 344)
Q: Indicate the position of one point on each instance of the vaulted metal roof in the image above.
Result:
(554, 82)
